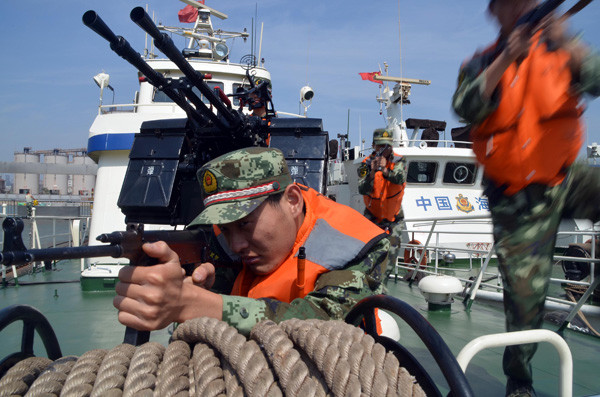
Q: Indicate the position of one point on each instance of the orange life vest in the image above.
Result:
(536, 132)
(332, 234)
(385, 200)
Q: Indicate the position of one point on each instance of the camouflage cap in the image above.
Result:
(382, 136)
(234, 184)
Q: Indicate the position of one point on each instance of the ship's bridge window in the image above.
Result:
(421, 172)
(236, 87)
(245, 86)
(160, 96)
(460, 173)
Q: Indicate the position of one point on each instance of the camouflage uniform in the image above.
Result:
(396, 176)
(526, 223)
(525, 226)
(244, 172)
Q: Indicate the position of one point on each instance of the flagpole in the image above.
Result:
(400, 54)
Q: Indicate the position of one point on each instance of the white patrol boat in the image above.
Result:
(448, 222)
(444, 182)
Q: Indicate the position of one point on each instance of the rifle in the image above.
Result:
(193, 246)
(535, 16)
(385, 151)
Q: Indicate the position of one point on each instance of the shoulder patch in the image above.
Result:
(363, 170)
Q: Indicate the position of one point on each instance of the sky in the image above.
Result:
(48, 98)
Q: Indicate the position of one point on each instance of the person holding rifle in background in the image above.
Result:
(522, 96)
(303, 255)
(382, 178)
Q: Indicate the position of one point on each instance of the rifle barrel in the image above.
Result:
(35, 255)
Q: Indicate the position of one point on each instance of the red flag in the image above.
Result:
(188, 14)
(371, 77)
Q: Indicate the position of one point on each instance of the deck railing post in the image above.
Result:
(470, 296)
(519, 338)
(15, 275)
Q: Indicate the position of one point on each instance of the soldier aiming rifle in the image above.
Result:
(382, 178)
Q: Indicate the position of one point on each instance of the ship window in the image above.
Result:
(460, 173)
(212, 85)
(240, 87)
(421, 172)
(160, 96)
(236, 86)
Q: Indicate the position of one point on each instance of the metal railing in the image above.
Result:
(47, 232)
(522, 337)
(428, 143)
(479, 259)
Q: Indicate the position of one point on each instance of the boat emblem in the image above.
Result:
(463, 204)
(209, 182)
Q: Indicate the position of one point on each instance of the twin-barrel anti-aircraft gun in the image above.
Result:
(166, 154)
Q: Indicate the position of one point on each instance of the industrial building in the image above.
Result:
(56, 172)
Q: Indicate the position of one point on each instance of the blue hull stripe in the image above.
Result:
(110, 142)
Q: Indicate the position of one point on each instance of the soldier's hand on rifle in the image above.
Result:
(204, 275)
(152, 297)
(519, 41)
(378, 163)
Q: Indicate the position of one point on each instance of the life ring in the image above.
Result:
(410, 258)
(410, 253)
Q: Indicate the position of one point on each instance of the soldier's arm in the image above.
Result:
(335, 293)
(397, 176)
(468, 100)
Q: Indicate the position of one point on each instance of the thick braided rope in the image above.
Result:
(207, 357)
(173, 373)
(52, 380)
(143, 370)
(112, 371)
(351, 362)
(80, 380)
(243, 355)
(295, 376)
(18, 379)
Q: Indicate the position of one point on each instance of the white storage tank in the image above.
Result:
(27, 182)
(56, 183)
(83, 185)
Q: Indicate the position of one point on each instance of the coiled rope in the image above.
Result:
(207, 357)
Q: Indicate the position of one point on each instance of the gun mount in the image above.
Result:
(160, 185)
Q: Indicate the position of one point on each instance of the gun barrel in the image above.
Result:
(94, 22)
(164, 43)
(122, 47)
(34, 255)
(536, 15)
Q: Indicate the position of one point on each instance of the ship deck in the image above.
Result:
(88, 320)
